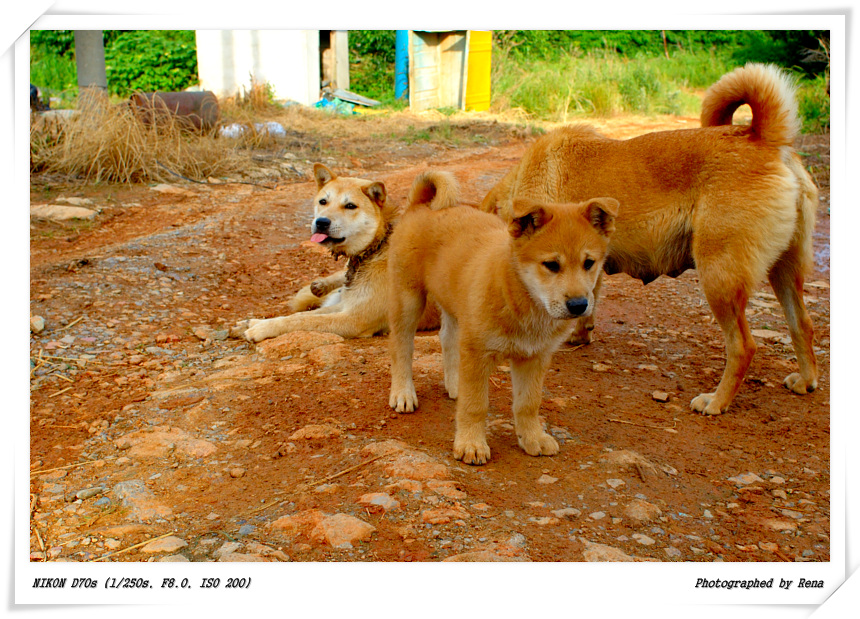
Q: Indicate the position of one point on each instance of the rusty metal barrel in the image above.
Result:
(192, 111)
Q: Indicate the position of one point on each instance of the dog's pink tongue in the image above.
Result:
(319, 237)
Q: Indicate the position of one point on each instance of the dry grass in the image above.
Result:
(111, 145)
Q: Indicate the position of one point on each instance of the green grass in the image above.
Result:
(603, 84)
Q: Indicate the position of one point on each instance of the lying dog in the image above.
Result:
(733, 202)
(352, 218)
(505, 291)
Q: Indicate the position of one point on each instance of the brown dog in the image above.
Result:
(733, 202)
(505, 291)
(352, 218)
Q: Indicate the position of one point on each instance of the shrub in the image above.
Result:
(150, 60)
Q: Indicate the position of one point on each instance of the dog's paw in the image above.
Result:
(319, 288)
(539, 445)
(452, 387)
(238, 330)
(704, 403)
(403, 400)
(580, 337)
(798, 384)
(472, 452)
(258, 330)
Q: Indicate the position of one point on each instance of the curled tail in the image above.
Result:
(436, 190)
(768, 91)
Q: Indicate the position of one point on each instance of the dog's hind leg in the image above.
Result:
(450, 354)
(405, 309)
(527, 380)
(470, 439)
(787, 281)
(727, 296)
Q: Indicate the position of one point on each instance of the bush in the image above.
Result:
(371, 63)
(150, 60)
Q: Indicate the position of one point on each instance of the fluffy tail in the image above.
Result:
(770, 94)
(436, 190)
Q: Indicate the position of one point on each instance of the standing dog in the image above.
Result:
(352, 218)
(505, 291)
(733, 202)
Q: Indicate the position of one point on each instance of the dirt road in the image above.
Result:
(150, 424)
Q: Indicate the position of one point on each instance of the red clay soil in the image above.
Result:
(141, 399)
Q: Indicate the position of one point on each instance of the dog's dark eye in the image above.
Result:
(588, 264)
(552, 266)
(350, 206)
(323, 201)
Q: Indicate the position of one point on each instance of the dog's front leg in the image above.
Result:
(470, 440)
(527, 380)
(406, 308)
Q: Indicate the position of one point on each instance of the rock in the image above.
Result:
(446, 488)
(567, 512)
(600, 367)
(780, 493)
(381, 500)
(597, 515)
(745, 479)
(88, 493)
(643, 539)
(61, 213)
(37, 324)
(546, 479)
(443, 515)
(75, 201)
(295, 343)
(316, 432)
(172, 189)
(341, 529)
(237, 472)
(482, 556)
(672, 552)
(595, 552)
(660, 396)
(642, 511)
(330, 355)
(165, 544)
(174, 559)
(768, 546)
(300, 523)
(615, 483)
(162, 442)
(767, 334)
(141, 503)
(779, 525)
(544, 520)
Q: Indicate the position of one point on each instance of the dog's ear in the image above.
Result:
(601, 213)
(376, 192)
(527, 216)
(323, 175)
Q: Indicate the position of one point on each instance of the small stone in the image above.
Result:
(600, 367)
(340, 529)
(707, 514)
(61, 213)
(642, 511)
(597, 515)
(779, 493)
(660, 396)
(544, 520)
(777, 480)
(547, 479)
(174, 559)
(237, 472)
(615, 483)
(37, 324)
(745, 479)
(443, 515)
(643, 539)
(316, 432)
(381, 500)
(567, 512)
(768, 546)
(165, 544)
(595, 552)
(88, 493)
(672, 552)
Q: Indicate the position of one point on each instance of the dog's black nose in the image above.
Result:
(322, 224)
(577, 306)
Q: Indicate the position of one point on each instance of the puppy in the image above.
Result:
(352, 218)
(505, 290)
(733, 202)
